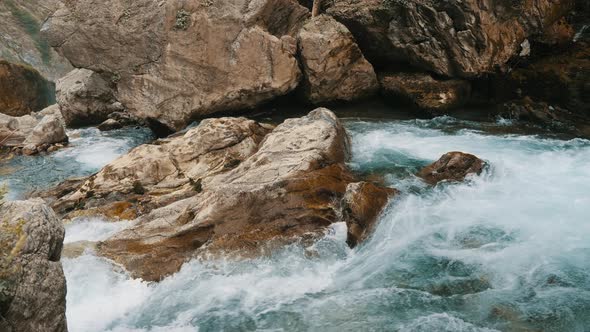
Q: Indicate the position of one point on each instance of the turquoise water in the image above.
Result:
(89, 150)
(506, 251)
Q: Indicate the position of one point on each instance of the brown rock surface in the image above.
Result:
(452, 166)
(229, 184)
(358, 205)
(23, 90)
(450, 38)
(32, 282)
(174, 61)
(334, 67)
(424, 92)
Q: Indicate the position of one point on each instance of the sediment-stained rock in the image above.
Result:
(32, 282)
(23, 90)
(334, 67)
(230, 185)
(450, 38)
(173, 61)
(452, 166)
(424, 92)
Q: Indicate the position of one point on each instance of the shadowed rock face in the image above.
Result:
(173, 61)
(230, 185)
(424, 92)
(450, 38)
(23, 90)
(333, 65)
(32, 283)
(452, 166)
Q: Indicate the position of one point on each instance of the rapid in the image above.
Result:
(505, 251)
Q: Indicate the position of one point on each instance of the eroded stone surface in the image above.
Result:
(424, 92)
(173, 61)
(32, 283)
(452, 166)
(333, 65)
(451, 38)
(228, 185)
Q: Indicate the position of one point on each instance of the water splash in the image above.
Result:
(508, 250)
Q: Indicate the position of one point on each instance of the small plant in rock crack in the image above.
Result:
(182, 20)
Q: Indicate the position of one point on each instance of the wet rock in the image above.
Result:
(35, 132)
(85, 98)
(560, 80)
(23, 90)
(334, 67)
(358, 205)
(77, 249)
(32, 283)
(229, 185)
(552, 117)
(175, 61)
(450, 38)
(424, 92)
(109, 124)
(21, 41)
(452, 166)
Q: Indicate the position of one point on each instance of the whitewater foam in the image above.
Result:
(506, 250)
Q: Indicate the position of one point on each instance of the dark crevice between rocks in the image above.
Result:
(159, 129)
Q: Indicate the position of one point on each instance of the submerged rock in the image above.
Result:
(450, 38)
(452, 166)
(35, 132)
(230, 184)
(32, 282)
(174, 61)
(85, 98)
(23, 90)
(334, 67)
(424, 92)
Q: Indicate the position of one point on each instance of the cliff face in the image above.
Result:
(173, 61)
(448, 38)
(21, 40)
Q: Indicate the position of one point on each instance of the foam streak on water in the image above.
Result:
(508, 251)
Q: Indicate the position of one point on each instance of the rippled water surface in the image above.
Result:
(89, 150)
(506, 251)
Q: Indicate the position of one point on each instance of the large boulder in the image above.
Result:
(450, 38)
(35, 132)
(23, 90)
(230, 185)
(334, 67)
(453, 167)
(32, 282)
(85, 98)
(174, 61)
(424, 92)
(20, 37)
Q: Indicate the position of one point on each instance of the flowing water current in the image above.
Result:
(506, 251)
